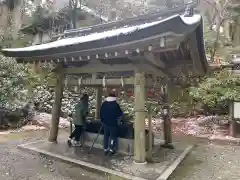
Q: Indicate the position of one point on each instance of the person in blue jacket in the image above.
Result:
(110, 114)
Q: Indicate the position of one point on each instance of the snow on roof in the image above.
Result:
(191, 20)
(102, 35)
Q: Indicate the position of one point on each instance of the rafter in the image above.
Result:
(155, 59)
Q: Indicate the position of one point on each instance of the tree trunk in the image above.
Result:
(17, 16)
(236, 37)
(4, 20)
(56, 111)
(227, 29)
(73, 5)
(215, 45)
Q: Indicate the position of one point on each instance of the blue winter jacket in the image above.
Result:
(110, 112)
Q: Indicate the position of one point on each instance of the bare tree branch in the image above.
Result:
(211, 4)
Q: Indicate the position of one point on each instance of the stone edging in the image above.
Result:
(164, 176)
(169, 170)
(78, 162)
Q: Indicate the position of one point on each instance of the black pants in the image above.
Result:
(76, 134)
(110, 138)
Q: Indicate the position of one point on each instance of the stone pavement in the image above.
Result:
(164, 160)
(210, 162)
(16, 164)
(205, 162)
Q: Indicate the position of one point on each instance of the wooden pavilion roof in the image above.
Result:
(165, 44)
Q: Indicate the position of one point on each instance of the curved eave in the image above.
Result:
(69, 46)
(201, 48)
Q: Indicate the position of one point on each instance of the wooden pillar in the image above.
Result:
(56, 110)
(167, 124)
(139, 123)
(98, 102)
(150, 132)
(233, 123)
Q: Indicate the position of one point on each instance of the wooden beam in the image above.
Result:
(56, 111)
(95, 68)
(154, 59)
(175, 47)
(116, 82)
(99, 82)
(139, 122)
(148, 66)
(100, 67)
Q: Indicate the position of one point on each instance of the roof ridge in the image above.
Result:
(150, 16)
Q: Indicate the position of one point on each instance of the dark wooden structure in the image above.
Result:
(144, 52)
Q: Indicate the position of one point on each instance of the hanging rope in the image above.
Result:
(122, 82)
(152, 91)
(76, 89)
(104, 81)
(66, 82)
(122, 85)
(79, 82)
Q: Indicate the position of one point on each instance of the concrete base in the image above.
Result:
(164, 163)
(125, 146)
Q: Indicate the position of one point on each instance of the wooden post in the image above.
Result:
(139, 123)
(150, 137)
(233, 123)
(56, 111)
(167, 124)
(98, 102)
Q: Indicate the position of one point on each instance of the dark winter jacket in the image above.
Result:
(81, 110)
(110, 112)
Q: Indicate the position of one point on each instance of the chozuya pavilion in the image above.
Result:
(143, 52)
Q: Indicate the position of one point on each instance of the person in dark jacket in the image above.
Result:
(110, 114)
(79, 121)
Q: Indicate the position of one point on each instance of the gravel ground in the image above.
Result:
(210, 162)
(205, 162)
(16, 164)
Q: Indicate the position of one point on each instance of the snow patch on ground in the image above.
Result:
(44, 120)
(40, 121)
